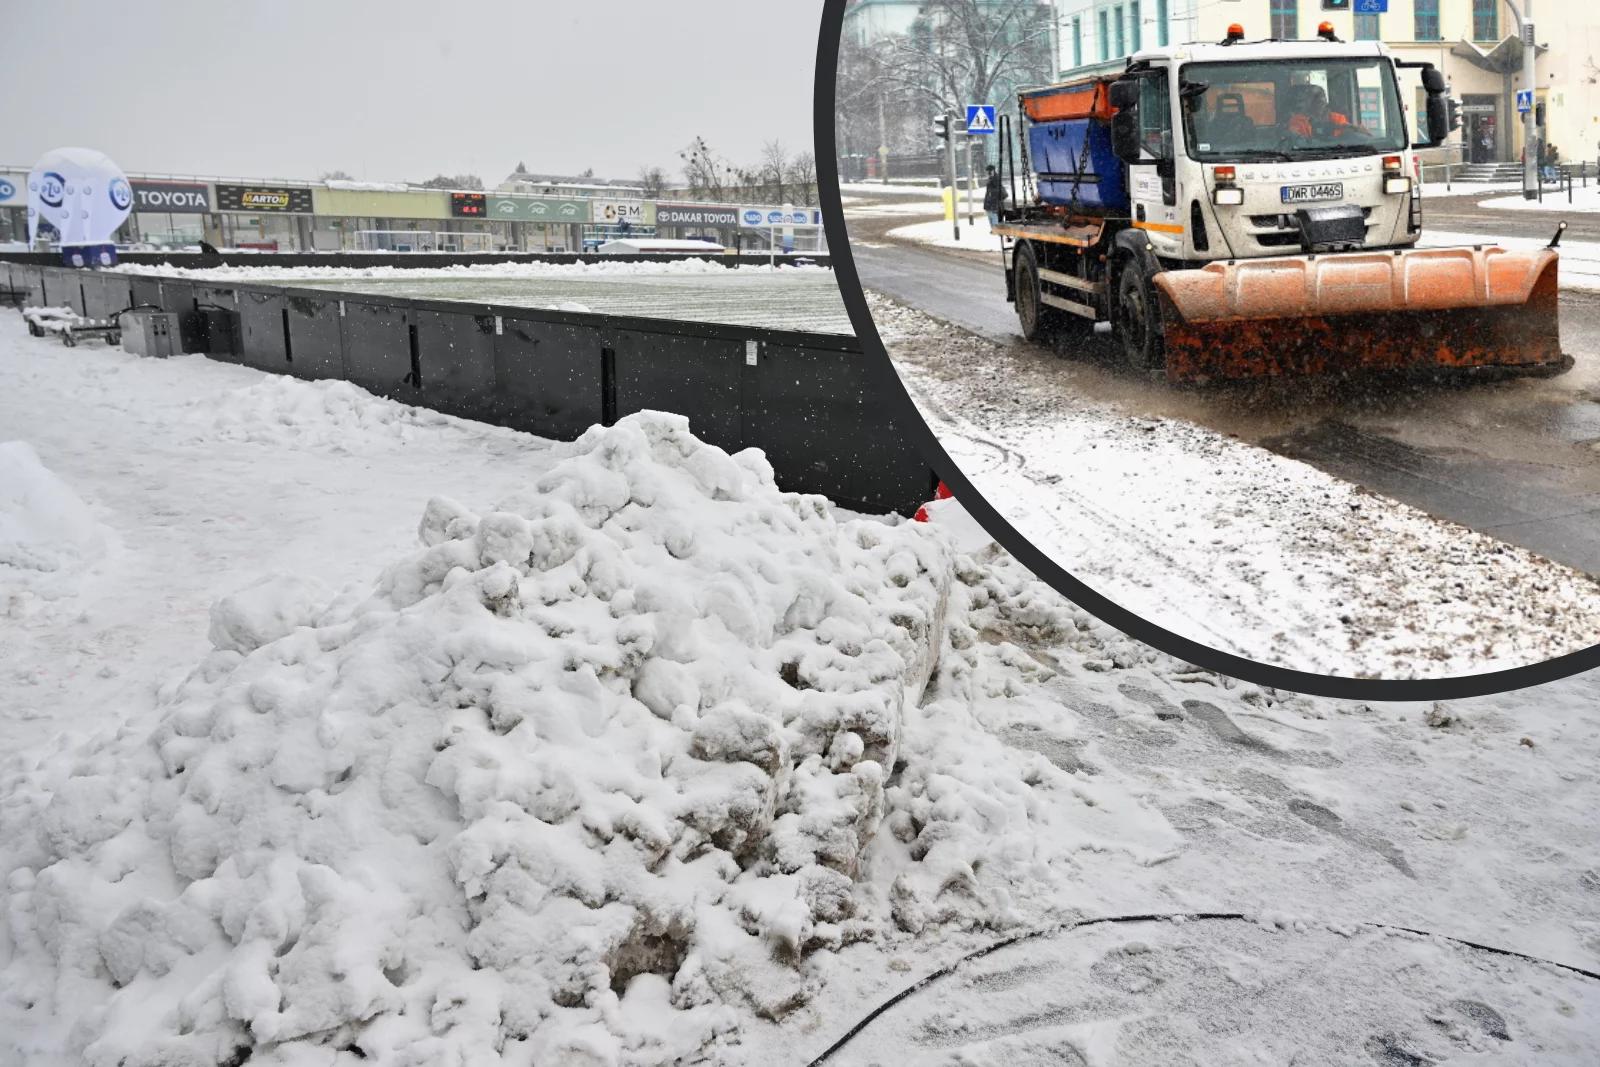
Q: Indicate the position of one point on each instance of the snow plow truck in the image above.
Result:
(1249, 209)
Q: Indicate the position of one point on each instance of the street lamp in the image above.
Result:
(1530, 135)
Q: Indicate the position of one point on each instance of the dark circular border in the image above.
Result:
(894, 392)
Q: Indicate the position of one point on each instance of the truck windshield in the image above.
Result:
(1291, 109)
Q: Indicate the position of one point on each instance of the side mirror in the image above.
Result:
(1438, 118)
(1432, 80)
(1125, 94)
(1125, 135)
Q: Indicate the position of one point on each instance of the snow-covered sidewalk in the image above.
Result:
(1585, 198)
(1226, 543)
(975, 236)
(603, 764)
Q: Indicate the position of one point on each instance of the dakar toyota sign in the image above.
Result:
(175, 198)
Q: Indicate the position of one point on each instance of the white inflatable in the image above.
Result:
(81, 193)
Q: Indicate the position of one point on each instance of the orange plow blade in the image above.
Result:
(1417, 310)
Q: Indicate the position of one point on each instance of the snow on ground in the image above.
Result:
(795, 298)
(49, 538)
(913, 209)
(868, 190)
(467, 272)
(1227, 543)
(975, 237)
(1585, 199)
(187, 848)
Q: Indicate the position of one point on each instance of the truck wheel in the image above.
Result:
(1039, 323)
(1138, 319)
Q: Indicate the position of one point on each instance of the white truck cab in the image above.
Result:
(1227, 143)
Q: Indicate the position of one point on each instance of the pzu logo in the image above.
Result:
(121, 195)
(52, 189)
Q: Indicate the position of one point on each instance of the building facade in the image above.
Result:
(1475, 43)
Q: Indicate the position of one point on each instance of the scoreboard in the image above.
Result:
(469, 205)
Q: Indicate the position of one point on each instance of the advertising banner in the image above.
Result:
(634, 212)
(254, 198)
(81, 193)
(13, 190)
(537, 209)
(776, 216)
(176, 198)
(696, 215)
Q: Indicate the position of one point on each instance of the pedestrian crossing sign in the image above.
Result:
(980, 118)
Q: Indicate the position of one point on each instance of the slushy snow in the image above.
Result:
(363, 750)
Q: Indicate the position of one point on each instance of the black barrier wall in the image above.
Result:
(805, 399)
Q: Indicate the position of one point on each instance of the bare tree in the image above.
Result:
(961, 52)
(653, 180)
(803, 177)
(707, 175)
(773, 172)
(957, 52)
(336, 176)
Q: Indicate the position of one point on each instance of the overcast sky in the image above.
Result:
(404, 89)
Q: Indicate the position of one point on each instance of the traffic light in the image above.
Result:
(1336, 5)
(1538, 114)
(1455, 113)
(941, 126)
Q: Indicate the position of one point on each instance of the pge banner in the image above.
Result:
(173, 198)
(253, 198)
(529, 209)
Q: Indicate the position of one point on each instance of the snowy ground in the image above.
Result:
(919, 188)
(304, 835)
(1229, 544)
(793, 298)
(1585, 199)
(975, 237)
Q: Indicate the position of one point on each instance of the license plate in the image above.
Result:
(1302, 194)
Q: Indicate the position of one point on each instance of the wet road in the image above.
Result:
(1519, 460)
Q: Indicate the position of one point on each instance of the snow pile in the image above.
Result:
(582, 781)
(47, 534)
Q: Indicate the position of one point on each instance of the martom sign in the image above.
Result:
(174, 198)
(252, 198)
